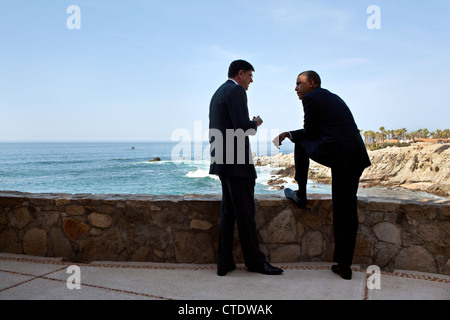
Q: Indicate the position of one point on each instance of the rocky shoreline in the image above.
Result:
(420, 167)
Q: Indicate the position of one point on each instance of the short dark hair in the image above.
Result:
(312, 75)
(237, 66)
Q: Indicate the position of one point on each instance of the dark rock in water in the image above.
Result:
(155, 159)
(273, 182)
(276, 183)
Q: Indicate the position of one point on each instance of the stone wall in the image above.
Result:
(393, 234)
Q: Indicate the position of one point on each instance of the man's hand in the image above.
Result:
(280, 138)
(258, 120)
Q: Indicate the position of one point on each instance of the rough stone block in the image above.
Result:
(415, 258)
(35, 242)
(20, 217)
(75, 210)
(194, 248)
(388, 232)
(312, 244)
(201, 225)
(100, 220)
(9, 242)
(284, 253)
(282, 229)
(74, 229)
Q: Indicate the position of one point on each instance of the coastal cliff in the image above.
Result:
(420, 167)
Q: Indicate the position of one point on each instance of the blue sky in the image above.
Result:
(140, 70)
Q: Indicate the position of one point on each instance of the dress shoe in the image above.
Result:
(222, 271)
(343, 270)
(267, 269)
(292, 195)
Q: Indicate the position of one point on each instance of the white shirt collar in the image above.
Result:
(233, 81)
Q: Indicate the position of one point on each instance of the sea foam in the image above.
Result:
(200, 173)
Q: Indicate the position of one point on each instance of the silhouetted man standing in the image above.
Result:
(232, 161)
(330, 137)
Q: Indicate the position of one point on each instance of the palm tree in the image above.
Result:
(382, 133)
(446, 133)
(373, 136)
(412, 135)
(366, 137)
(398, 133)
(403, 133)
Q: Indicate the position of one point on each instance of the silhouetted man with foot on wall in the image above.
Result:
(330, 137)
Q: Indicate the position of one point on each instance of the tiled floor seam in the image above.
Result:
(45, 277)
(34, 277)
(366, 288)
(116, 290)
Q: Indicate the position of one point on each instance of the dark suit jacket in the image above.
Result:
(330, 135)
(231, 153)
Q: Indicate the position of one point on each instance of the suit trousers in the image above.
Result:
(301, 160)
(238, 207)
(344, 187)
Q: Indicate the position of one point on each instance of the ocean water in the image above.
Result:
(124, 167)
(111, 168)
